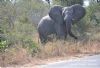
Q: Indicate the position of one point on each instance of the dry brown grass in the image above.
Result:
(14, 56)
(64, 48)
(17, 55)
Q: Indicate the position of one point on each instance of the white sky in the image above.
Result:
(86, 3)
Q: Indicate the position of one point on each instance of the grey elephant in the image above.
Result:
(59, 21)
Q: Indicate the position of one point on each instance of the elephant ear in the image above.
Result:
(79, 12)
(55, 13)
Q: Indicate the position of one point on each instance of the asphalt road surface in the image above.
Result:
(86, 62)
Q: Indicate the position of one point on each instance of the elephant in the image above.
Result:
(59, 21)
(47, 26)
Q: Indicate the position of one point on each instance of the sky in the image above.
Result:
(86, 3)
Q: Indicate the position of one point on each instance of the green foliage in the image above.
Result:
(93, 13)
(16, 27)
(33, 49)
(68, 2)
(3, 45)
(33, 10)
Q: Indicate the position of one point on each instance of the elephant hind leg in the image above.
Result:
(43, 38)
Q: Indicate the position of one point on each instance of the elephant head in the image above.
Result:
(76, 12)
(59, 13)
(67, 16)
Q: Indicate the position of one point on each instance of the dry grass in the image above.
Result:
(64, 48)
(14, 56)
(17, 55)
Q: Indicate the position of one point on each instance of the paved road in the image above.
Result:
(86, 62)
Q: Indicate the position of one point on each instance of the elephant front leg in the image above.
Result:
(60, 31)
(72, 35)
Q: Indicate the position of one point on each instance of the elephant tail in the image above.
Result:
(38, 38)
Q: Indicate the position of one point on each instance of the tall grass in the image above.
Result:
(69, 47)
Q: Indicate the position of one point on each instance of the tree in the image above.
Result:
(68, 2)
(48, 2)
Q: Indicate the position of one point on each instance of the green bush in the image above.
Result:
(33, 49)
(3, 45)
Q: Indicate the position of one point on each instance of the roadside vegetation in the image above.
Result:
(19, 40)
